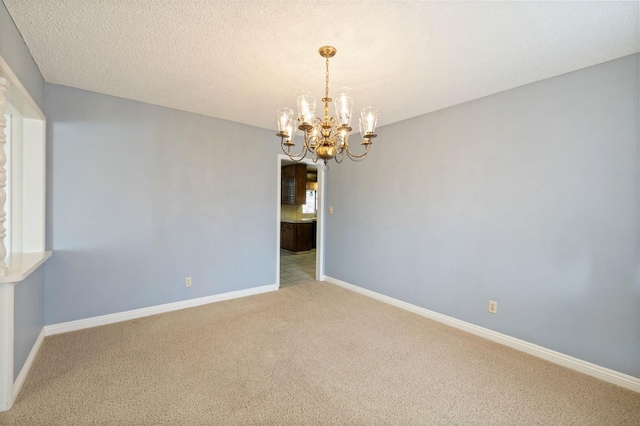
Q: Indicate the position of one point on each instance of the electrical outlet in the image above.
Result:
(330, 210)
(493, 307)
(187, 282)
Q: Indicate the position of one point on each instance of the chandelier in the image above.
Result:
(328, 137)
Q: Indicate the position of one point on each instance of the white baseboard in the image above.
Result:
(17, 384)
(602, 373)
(153, 310)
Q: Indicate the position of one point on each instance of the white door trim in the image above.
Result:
(320, 225)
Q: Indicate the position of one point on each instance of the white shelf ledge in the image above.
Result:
(21, 265)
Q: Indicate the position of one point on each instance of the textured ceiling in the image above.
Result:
(241, 60)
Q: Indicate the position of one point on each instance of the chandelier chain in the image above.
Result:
(326, 89)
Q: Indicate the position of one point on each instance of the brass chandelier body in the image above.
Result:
(328, 137)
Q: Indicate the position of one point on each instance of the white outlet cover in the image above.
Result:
(493, 306)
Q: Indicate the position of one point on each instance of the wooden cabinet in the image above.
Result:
(287, 236)
(297, 236)
(304, 236)
(294, 184)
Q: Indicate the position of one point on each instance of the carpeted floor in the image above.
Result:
(306, 354)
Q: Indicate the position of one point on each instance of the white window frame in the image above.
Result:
(25, 209)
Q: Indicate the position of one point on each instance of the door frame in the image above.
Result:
(320, 221)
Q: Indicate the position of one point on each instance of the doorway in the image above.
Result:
(300, 233)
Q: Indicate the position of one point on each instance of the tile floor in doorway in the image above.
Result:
(297, 268)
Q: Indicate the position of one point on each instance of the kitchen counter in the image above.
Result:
(304, 220)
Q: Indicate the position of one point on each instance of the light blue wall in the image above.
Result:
(28, 316)
(141, 196)
(14, 51)
(528, 197)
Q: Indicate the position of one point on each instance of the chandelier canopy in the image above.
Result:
(326, 137)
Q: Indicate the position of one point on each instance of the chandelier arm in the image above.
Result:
(355, 157)
(307, 142)
(299, 156)
(339, 155)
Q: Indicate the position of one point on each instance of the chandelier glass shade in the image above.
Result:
(325, 137)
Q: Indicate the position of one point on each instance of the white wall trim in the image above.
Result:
(28, 363)
(33, 209)
(65, 327)
(21, 265)
(602, 373)
(13, 79)
(7, 295)
(278, 214)
(321, 222)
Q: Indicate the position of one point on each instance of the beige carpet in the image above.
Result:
(307, 354)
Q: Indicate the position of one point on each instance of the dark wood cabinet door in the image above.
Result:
(288, 172)
(288, 189)
(287, 236)
(297, 236)
(304, 236)
(293, 184)
(301, 184)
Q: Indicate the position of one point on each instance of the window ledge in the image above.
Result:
(21, 265)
